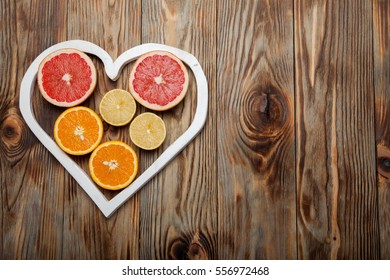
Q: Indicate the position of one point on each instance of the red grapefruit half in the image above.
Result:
(158, 80)
(66, 77)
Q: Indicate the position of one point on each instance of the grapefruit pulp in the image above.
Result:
(66, 77)
(158, 80)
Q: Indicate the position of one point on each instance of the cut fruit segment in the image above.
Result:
(113, 165)
(78, 130)
(66, 77)
(147, 131)
(158, 80)
(117, 107)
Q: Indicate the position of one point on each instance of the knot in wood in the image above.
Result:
(11, 131)
(384, 165)
(197, 252)
(264, 120)
(383, 161)
(178, 250)
(188, 249)
(14, 136)
(265, 112)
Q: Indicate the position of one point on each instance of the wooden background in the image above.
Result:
(294, 160)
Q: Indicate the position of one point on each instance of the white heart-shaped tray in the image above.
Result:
(113, 69)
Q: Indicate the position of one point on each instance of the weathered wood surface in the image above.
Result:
(336, 172)
(293, 161)
(183, 199)
(256, 145)
(381, 21)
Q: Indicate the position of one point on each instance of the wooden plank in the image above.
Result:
(243, 205)
(116, 27)
(46, 213)
(31, 204)
(178, 207)
(381, 19)
(336, 175)
(256, 159)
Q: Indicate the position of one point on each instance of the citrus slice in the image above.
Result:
(117, 107)
(66, 77)
(113, 165)
(158, 80)
(78, 130)
(147, 131)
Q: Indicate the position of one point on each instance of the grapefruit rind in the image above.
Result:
(154, 106)
(73, 152)
(97, 180)
(87, 93)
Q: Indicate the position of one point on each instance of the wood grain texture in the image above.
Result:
(256, 181)
(336, 174)
(115, 26)
(29, 206)
(285, 167)
(179, 221)
(49, 216)
(381, 20)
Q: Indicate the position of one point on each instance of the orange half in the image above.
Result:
(113, 165)
(78, 130)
